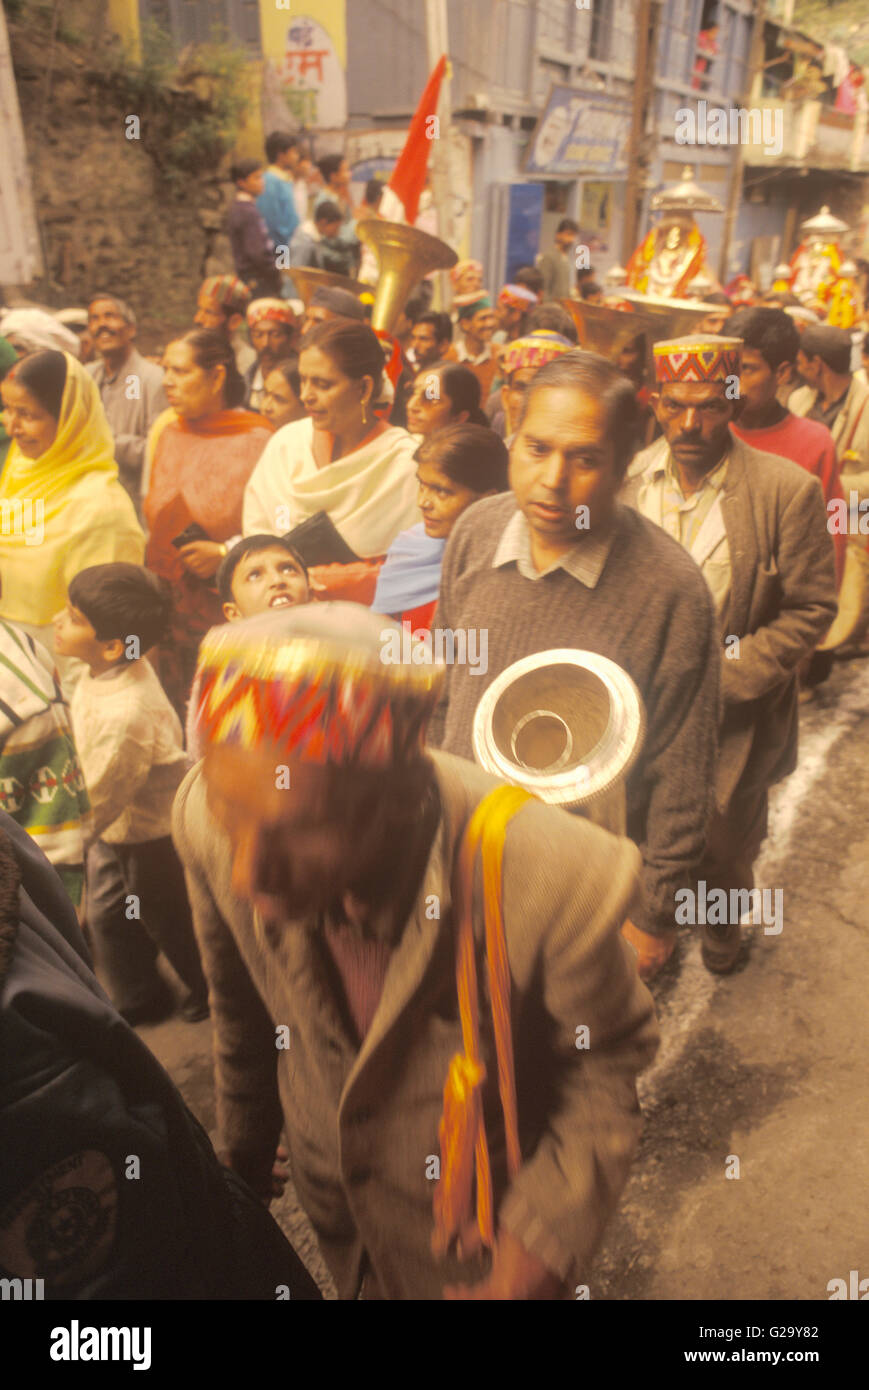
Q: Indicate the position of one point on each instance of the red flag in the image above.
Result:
(408, 176)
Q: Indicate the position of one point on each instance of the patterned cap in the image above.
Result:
(517, 297)
(278, 309)
(228, 291)
(325, 682)
(534, 350)
(702, 357)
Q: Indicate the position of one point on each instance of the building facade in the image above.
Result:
(542, 95)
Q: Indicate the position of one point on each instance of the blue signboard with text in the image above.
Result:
(579, 133)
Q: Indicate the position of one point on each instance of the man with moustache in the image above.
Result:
(477, 323)
(273, 335)
(130, 387)
(558, 562)
(430, 339)
(320, 843)
(755, 523)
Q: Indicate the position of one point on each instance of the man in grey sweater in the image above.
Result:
(558, 562)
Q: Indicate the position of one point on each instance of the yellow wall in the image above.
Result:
(275, 21)
(315, 95)
(250, 143)
(124, 19)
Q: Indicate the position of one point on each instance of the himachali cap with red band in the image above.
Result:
(278, 309)
(517, 297)
(318, 684)
(703, 357)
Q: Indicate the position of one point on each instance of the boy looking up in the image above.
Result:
(259, 573)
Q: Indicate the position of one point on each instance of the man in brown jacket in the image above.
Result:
(319, 842)
(756, 525)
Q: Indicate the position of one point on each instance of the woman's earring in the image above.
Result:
(364, 413)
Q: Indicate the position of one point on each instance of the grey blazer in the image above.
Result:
(362, 1122)
(782, 601)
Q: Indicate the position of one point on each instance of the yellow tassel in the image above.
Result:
(462, 1134)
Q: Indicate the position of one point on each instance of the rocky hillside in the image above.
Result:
(139, 216)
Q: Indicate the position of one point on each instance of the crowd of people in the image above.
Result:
(199, 561)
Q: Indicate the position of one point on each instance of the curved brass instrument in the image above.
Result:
(604, 329)
(405, 255)
(566, 725)
(308, 278)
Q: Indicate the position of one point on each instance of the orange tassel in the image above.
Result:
(462, 1134)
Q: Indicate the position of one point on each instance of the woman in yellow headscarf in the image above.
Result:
(61, 505)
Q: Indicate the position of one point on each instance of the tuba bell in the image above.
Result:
(605, 329)
(566, 725)
(308, 278)
(405, 255)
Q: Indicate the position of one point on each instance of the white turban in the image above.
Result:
(35, 330)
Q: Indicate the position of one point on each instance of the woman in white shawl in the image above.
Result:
(341, 460)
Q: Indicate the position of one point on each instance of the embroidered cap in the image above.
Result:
(534, 350)
(702, 357)
(228, 291)
(321, 682)
(278, 309)
(517, 297)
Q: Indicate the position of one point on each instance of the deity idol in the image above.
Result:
(673, 253)
(816, 263)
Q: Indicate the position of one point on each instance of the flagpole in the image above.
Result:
(437, 38)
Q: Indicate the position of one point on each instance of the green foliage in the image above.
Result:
(222, 69)
(844, 22)
(196, 132)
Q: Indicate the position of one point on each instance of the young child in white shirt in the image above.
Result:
(131, 750)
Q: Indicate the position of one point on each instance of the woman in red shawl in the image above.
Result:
(200, 460)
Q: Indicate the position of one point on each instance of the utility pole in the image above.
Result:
(437, 40)
(644, 88)
(755, 59)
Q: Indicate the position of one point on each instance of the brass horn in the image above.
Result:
(566, 725)
(405, 255)
(308, 278)
(605, 329)
(673, 316)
